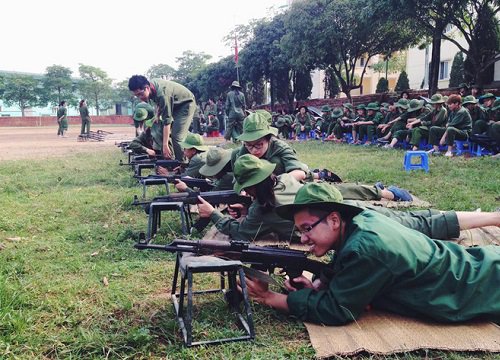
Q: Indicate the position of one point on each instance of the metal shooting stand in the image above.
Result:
(188, 265)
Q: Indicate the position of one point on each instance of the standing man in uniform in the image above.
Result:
(235, 111)
(62, 120)
(176, 106)
(84, 115)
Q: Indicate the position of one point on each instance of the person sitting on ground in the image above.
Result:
(302, 125)
(392, 113)
(343, 125)
(360, 117)
(436, 117)
(458, 127)
(476, 90)
(150, 141)
(258, 179)
(478, 115)
(416, 111)
(381, 264)
(367, 127)
(399, 123)
(213, 123)
(284, 123)
(405, 95)
(325, 122)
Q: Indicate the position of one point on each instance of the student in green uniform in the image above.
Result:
(487, 102)
(391, 114)
(149, 141)
(420, 126)
(62, 119)
(213, 123)
(399, 123)
(175, 105)
(218, 168)
(458, 127)
(368, 126)
(382, 264)
(302, 124)
(416, 111)
(325, 122)
(235, 111)
(85, 116)
(337, 128)
(360, 117)
(478, 115)
(344, 123)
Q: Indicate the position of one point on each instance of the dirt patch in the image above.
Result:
(42, 142)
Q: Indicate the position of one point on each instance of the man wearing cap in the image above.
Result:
(303, 120)
(337, 127)
(235, 111)
(367, 127)
(392, 113)
(399, 123)
(420, 127)
(478, 115)
(213, 123)
(284, 123)
(463, 90)
(195, 151)
(458, 127)
(382, 264)
(218, 168)
(259, 139)
(175, 106)
(361, 116)
(323, 124)
(416, 111)
(150, 141)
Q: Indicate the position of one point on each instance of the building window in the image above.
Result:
(443, 70)
(362, 61)
(448, 28)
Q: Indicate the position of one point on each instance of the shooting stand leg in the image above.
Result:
(154, 219)
(188, 265)
(153, 181)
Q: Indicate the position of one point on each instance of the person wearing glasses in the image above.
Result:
(380, 264)
(175, 106)
(268, 190)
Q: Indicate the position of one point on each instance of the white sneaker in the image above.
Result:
(448, 154)
(430, 151)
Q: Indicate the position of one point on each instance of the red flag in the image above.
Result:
(235, 50)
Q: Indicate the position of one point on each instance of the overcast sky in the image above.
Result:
(121, 37)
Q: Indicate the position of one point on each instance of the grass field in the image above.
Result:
(73, 286)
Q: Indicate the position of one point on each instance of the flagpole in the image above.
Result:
(236, 58)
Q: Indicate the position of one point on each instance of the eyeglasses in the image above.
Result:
(257, 146)
(310, 227)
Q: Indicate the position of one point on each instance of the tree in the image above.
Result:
(478, 23)
(190, 63)
(214, 80)
(391, 64)
(403, 82)
(21, 90)
(161, 71)
(331, 84)
(304, 84)
(382, 86)
(95, 86)
(457, 70)
(338, 33)
(58, 86)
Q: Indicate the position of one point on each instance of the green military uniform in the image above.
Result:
(339, 129)
(176, 107)
(302, 123)
(433, 118)
(279, 153)
(388, 117)
(478, 115)
(326, 120)
(284, 125)
(381, 263)
(458, 127)
(400, 124)
(416, 110)
(152, 136)
(213, 123)
(194, 141)
(85, 116)
(235, 111)
(220, 115)
(376, 118)
(62, 120)
(403, 271)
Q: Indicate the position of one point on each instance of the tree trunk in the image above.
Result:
(435, 58)
(97, 105)
(272, 90)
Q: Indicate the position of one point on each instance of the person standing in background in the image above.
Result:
(84, 114)
(62, 120)
(235, 111)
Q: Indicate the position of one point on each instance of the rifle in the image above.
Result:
(293, 262)
(168, 164)
(181, 202)
(193, 183)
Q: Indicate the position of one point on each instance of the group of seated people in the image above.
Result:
(419, 123)
(383, 258)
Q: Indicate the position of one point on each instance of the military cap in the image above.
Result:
(326, 108)
(193, 141)
(256, 126)
(437, 99)
(415, 105)
(280, 122)
(486, 96)
(496, 105)
(249, 170)
(143, 111)
(372, 106)
(337, 112)
(469, 99)
(463, 86)
(236, 83)
(348, 105)
(402, 103)
(217, 158)
(361, 107)
(318, 195)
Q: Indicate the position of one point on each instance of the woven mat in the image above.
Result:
(381, 333)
